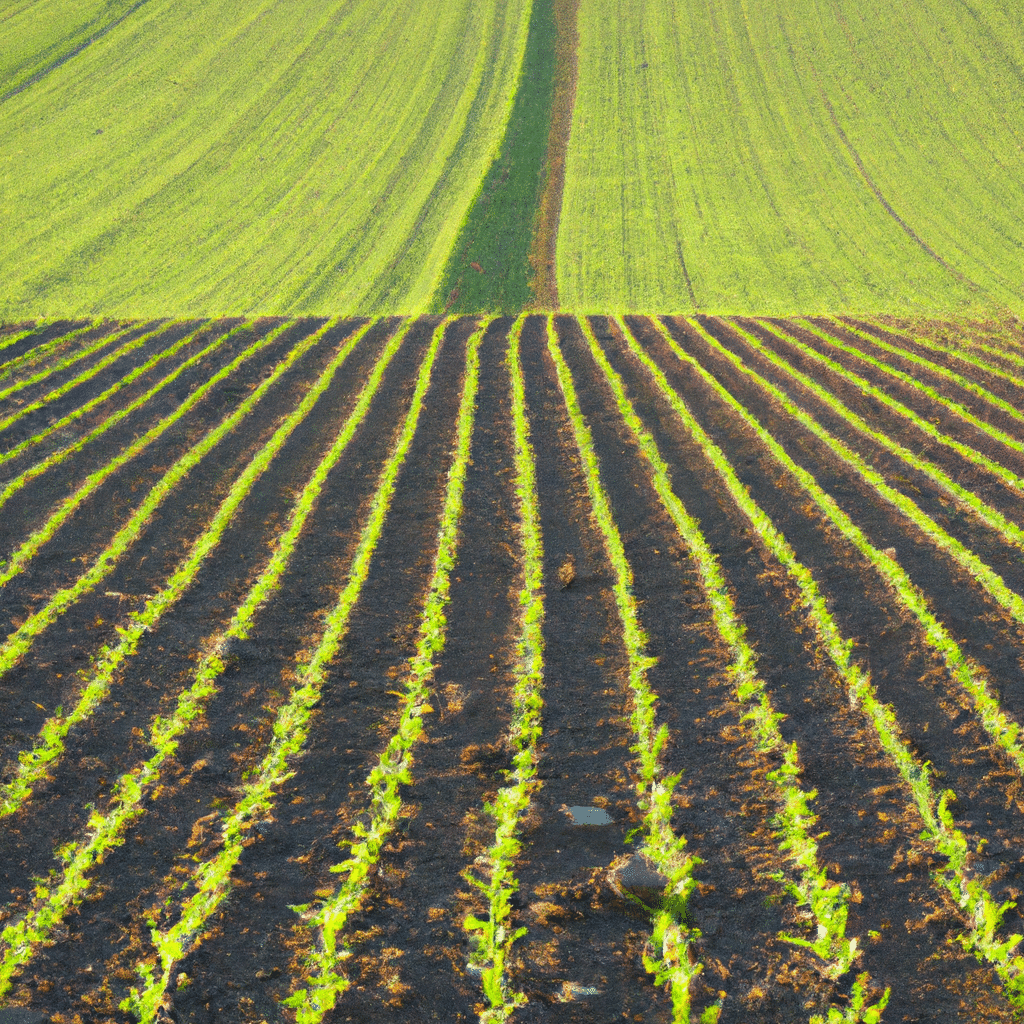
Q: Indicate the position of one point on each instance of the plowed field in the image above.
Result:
(545, 669)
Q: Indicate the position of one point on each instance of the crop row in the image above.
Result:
(983, 915)
(677, 949)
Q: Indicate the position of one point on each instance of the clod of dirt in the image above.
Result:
(567, 571)
(640, 879)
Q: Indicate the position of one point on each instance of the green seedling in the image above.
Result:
(1003, 730)
(942, 371)
(35, 763)
(34, 355)
(20, 641)
(86, 375)
(61, 454)
(960, 353)
(970, 895)
(326, 983)
(826, 900)
(105, 830)
(673, 961)
(492, 937)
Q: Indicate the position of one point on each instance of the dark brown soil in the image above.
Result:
(582, 957)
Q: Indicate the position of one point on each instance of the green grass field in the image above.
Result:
(801, 155)
(302, 156)
(166, 158)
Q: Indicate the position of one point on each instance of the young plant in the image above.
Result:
(827, 901)
(492, 937)
(20, 641)
(962, 353)
(61, 454)
(1003, 731)
(938, 369)
(35, 763)
(971, 894)
(105, 829)
(82, 378)
(992, 517)
(1007, 476)
(85, 375)
(858, 1012)
(673, 961)
(34, 355)
(211, 880)
(15, 336)
(67, 361)
(325, 983)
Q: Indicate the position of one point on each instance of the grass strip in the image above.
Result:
(488, 266)
(971, 894)
(674, 962)
(491, 935)
(86, 375)
(19, 642)
(962, 353)
(55, 896)
(69, 360)
(1001, 729)
(78, 413)
(325, 984)
(827, 901)
(990, 580)
(211, 879)
(96, 681)
(1008, 530)
(27, 550)
(1004, 474)
(58, 456)
(44, 349)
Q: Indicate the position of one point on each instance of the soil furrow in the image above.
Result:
(968, 368)
(116, 735)
(413, 925)
(92, 349)
(25, 434)
(581, 938)
(989, 636)
(976, 522)
(295, 847)
(258, 672)
(35, 504)
(871, 824)
(58, 344)
(721, 805)
(311, 640)
(93, 618)
(13, 334)
(126, 348)
(945, 419)
(27, 414)
(195, 375)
